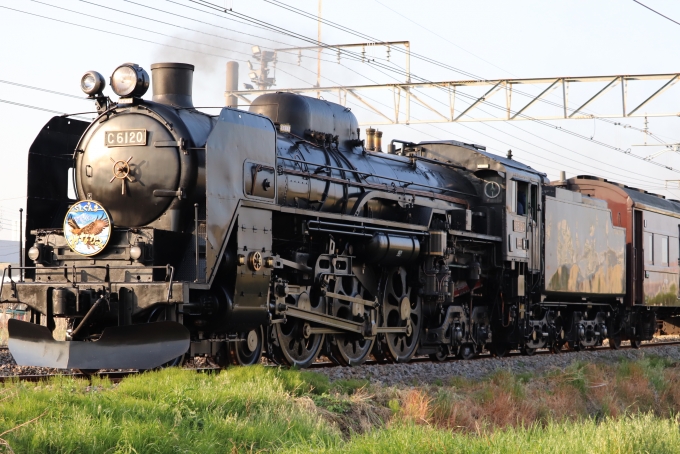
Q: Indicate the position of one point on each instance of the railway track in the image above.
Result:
(487, 355)
(117, 377)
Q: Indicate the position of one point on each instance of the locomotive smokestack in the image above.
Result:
(171, 83)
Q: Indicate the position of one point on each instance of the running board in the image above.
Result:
(339, 323)
(142, 346)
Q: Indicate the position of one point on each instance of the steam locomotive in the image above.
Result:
(159, 233)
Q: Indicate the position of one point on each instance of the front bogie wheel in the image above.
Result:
(248, 349)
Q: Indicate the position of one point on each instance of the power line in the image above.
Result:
(43, 109)
(202, 43)
(43, 89)
(192, 30)
(655, 11)
(552, 143)
(429, 29)
(131, 37)
(278, 29)
(424, 58)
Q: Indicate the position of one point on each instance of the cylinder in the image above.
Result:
(232, 83)
(390, 249)
(378, 140)
(172, 84)
(563, 175)
(370, 139)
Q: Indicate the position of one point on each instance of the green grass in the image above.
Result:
(643, 433)
(167, 411)
(259, 409)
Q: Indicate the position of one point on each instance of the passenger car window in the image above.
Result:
(664, 249)
(649, 248)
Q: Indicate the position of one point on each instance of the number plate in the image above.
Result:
(125, 138)
(519, 226)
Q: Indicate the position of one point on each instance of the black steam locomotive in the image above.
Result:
(158, 232)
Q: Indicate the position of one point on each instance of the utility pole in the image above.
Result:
(318, 52)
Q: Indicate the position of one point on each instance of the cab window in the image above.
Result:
(521, 205)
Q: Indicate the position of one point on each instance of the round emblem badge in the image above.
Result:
(87, 227)
(492, 189)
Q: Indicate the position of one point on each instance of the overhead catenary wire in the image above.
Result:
(28, 106)
(423, 57)
(16, 84)
(88, 2)
(215, 46)
(131, 37)
(278, 29)
(655, 11)
(193, 30)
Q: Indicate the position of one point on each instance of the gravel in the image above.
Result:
(9, 368)
(436, 372)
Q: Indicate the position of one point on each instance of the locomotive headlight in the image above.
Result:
(130, 80)
(92, 83)
(34, 253)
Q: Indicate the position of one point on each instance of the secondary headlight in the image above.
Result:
(136, 252)
(92, 83)
(130, 80)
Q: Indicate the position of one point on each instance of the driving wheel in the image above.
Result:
(293, 342)
(349, 349)
(401, 308)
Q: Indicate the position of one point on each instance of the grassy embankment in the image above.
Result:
(625, 407)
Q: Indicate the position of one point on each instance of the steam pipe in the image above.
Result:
(196, 237)
(87, 318)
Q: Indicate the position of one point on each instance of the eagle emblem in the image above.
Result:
(87, 227)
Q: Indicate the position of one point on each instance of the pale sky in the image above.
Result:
(52, 47)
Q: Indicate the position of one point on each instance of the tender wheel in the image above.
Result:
(400, 309)
(527, 351)
(499, 349)
(615, 342)
(635, 343)
(292, 342)
(573, 346)
(349, 349)
(442, 353)
(249, 350)
(557, 347)
(467, 351)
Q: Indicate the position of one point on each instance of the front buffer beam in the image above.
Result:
(142, 346)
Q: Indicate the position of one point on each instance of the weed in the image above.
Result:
(333, 403)
(394, 405)
(350, 386)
